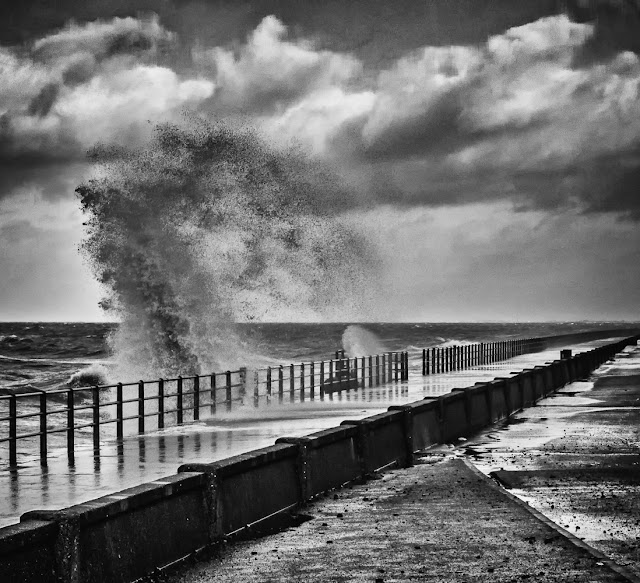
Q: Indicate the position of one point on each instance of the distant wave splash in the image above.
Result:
(358, 341)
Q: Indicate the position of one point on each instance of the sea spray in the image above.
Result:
(94, 374)
(358, 341)
(208, 226)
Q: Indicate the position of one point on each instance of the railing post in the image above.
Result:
(331, 379)
(196, 398)
(292, 383)
(302, 382)
(212, 388)
(140, 406)
(71, 455)
(424, 362)
(383, 368)
(312, 380)
(269, 382)
(96, 420)
(179, 404)
(119, 412)
(13, 430)
(256, 389)
(228, 389)
(280, 384)
(161, 404)
(363, 372)
(377, 370)
(322, 380)
(43, 428)
(243, 383)
(370, 371)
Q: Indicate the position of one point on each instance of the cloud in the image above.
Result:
(617, 27)
(518, 117)
(513, 118)
(102, 39)
(88, 83)
(270, 71)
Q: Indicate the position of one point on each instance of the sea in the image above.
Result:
(46, 356)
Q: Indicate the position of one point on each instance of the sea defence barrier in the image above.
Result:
(127, 535)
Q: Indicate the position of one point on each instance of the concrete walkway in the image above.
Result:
(576, 458)
(443, 520)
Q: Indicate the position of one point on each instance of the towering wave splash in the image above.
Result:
(208, 226)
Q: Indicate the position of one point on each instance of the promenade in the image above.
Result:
(139, 459)
(574, 457)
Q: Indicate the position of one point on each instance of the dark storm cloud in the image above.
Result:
(79, 85)
(21, 22)
(368, 28)
(617, 27)
(473, 101)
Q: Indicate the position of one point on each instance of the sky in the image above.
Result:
(492, 147)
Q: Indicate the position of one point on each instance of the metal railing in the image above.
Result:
(445, 359)
(66, 417)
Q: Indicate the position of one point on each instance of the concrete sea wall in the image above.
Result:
(124, 536)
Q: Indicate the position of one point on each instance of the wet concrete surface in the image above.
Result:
(575, 457)
(438, 521)
(151, 456)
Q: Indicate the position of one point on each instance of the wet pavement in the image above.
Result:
(140, 459)
(574, 457)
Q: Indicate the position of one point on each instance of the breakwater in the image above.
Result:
(127, 535)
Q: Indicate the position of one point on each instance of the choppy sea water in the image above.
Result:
(54, 355)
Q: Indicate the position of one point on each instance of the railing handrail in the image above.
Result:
(187, 394)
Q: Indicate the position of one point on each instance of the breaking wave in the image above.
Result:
(96, 374)
(208, 226)
(358, 341)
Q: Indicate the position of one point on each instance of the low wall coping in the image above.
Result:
(324, 437)
(120, 502)
(25, 535)
(453, 396)
(496, 381)
(376, 420)
(243, 462)
(417, 406)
